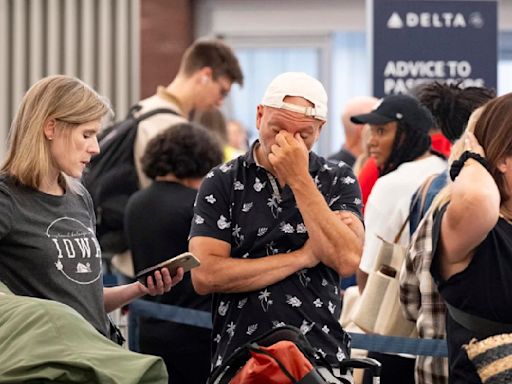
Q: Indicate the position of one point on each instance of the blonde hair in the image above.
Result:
(66, 99)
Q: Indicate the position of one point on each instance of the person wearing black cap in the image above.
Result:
(408, 125)
(401, 146)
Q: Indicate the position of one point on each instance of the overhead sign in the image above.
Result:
(416, 41)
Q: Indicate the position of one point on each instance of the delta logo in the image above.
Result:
(435, 20)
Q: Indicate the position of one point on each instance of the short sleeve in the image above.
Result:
(345, 195)
(212, 209)
(371, 242)
(384, 216)
(84, 194)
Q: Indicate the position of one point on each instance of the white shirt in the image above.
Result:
(388, 205)
(152, 126)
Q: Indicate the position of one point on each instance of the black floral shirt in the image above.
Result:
(242, 204)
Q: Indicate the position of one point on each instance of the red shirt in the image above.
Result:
(370, 173)
(441, 144)
(367, 177)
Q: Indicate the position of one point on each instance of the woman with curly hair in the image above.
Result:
(450, 105)
(157, 225)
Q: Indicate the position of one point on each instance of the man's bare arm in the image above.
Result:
(221, 273)
(338, 246)
(335, 244)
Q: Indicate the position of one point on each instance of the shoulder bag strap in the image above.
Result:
(478, 324)
(425, 186)
(156, 111)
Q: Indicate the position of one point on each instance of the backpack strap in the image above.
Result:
(478, 324)
(153, 112)
(425, 188)
(108, 132)
(293, 334)
(422, 193)
(133, 110)
(227, 370)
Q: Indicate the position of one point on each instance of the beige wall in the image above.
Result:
(96, 41)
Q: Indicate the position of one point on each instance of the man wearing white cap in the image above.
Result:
(276, 228)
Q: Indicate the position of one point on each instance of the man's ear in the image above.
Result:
(322, 123)
(49, 128)
(259, 114)
(205, 75)
(321, 126)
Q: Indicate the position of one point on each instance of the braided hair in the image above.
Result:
(451, 105)
(409, 144)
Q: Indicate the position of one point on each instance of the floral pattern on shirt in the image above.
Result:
(242, 204)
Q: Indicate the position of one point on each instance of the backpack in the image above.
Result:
(283, 355)
(111, 178)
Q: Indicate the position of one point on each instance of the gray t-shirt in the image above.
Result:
(48, 248)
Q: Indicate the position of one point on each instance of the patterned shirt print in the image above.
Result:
(241, 204)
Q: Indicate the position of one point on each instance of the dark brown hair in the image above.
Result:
(451, 105)
(493, 130)
(186, 150)
(215, 54)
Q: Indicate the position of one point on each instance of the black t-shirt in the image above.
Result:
(157, 225)
(242, 204)
(343, 155)
(484, 289)
(49, 250)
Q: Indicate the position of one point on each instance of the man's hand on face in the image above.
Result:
(289, 157)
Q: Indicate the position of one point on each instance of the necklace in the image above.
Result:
(276, 198)
(508, 220)
(505, 215)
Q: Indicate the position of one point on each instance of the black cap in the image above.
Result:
(398, 108)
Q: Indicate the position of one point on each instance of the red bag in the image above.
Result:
(283, 355)
(280, 363)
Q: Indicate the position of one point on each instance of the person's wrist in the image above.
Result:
(471, 162)
(300, 181)
(457, 165)
(141, 288)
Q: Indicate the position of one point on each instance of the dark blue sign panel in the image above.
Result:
(415, 42)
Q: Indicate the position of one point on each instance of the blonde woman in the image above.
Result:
(48, 247)
(472, 234)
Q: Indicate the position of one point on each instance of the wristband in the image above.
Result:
(457, 165)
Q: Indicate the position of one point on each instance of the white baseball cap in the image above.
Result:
(301, 85)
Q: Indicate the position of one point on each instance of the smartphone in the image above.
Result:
(186, 260)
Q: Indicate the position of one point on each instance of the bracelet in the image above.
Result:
(457, 165)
